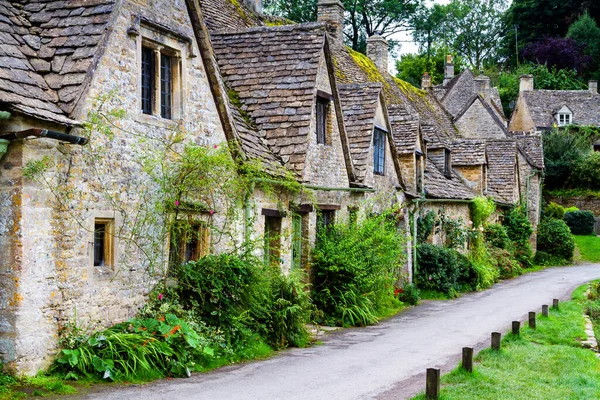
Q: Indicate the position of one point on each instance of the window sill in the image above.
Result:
(158, 122)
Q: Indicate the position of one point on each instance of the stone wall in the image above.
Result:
(474, 175)
(57, 279)
(582, 202)
(477, 122)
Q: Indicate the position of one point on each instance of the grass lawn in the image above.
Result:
(589, 247)
(548, 363)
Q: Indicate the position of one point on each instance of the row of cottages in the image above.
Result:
(543, 110)
(292, 97)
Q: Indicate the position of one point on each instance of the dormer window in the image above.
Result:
(378, 152)
(564, 116)
(158, 86)
(323, 105)
(564, 119)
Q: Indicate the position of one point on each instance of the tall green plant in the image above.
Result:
(355, 267)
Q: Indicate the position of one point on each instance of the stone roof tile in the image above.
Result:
(542, 104)
(466, 152)
(439, 187)
(501, 176)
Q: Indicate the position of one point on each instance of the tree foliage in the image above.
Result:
(562, 53)
(411, 67)
(363, 18)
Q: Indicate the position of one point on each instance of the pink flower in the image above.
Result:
(211, 212)
(215, 146)
(429, 277)
(160, 296)
(177, 203)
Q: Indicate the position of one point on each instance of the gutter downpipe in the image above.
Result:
(44, 133)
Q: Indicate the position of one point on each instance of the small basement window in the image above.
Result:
(103, 242)
(379, 152)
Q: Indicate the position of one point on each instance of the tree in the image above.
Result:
(585, 33)
(411, 67)
(364, 18)
(477, 26)
(558, 52)
(429, 27)
(533, 20)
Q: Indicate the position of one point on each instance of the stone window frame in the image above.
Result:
(176, 46)
(112, 221)
(323, 111)
(379, 147)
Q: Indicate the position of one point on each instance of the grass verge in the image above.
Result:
(547, 363)
(589, 248)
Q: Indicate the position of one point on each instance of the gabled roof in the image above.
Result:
(48, 53)
(359, 106)
(437, 186)
(501, 177)
(228, 15)
(405, 130)
(532, 147)
(272, 72)
(467, 152)
(542, 104)
(501, 123)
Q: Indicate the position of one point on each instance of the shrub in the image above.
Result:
(519, 230)
(444, 270)
(580, 222)
(554, 210)
(408, 294)
(355, 268)
(586, 173)
(571, 209)
(554, 237)
(495, 235)
(505, 263)
(425, 226)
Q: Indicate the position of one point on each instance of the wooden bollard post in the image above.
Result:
(432, 389)
(496, 337)
(545, 310)
(516, 328)
(467, 359)
(555, 304)
(532, 319)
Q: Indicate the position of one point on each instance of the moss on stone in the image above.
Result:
(240, 11)
(272, 20)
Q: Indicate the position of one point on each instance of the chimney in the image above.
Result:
(484, 87)
(255, 5)
(426, 81)
(331, 12)
(593, 87)
(526, 83)
(449, 70)
(378, 50)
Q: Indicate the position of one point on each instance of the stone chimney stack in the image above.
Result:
(331, 12)
(426, 81)
(378, 50)
(255, 5)
(484, 87)
(449, 70)
(526, 83)
(593, 87)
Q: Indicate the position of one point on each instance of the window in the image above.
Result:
(325, 219)
(378, 151)
(189, 242)
(447, 163)
(103, 242)
(272, 243)
(564, 119)
(419, 173)
(297, 240)
(159, 77)
(322, 112)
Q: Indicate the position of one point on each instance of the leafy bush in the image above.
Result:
(425, 226)
(554, 210)
(355, 268)
(444, 270)
(580, 222)
(554, 237)
(562, 151)
(503, 260)
(571, 209)
(495, 235)
(519, 230)
(408, 294)
(586, 173)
